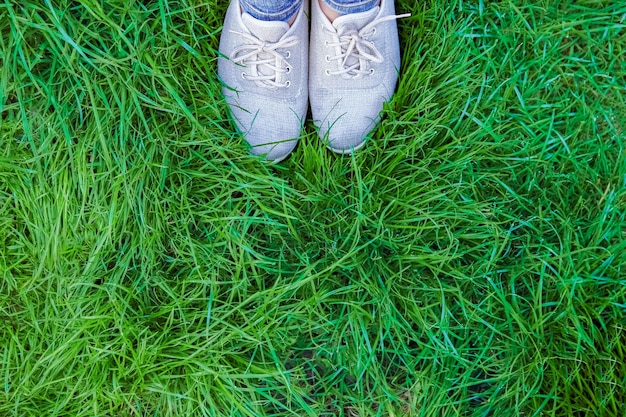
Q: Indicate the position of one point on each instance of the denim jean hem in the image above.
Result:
(282, 15)
(356, 7)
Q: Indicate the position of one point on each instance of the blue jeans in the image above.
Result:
(286, 9)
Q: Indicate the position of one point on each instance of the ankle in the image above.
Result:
(330, 13)
(292, 20)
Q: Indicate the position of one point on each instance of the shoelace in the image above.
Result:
(357, 51)
(260, 54)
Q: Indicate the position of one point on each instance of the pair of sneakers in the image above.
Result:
(270, 74)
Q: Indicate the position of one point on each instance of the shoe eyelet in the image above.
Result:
(327, 58)
(374, 31)
(372, 71)
(288, 54)
(326, 44)
(288, 84)
(327, 71)
(244, 75)
(288, 70)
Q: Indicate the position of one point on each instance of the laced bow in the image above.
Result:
(264, 60)
(356, 50)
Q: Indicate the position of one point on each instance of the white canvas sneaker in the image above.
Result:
(264, 69)
(354, 64)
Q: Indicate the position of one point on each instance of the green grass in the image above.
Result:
(470, 261)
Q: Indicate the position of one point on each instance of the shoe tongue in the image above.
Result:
(355, 21)
(266, 31)
(349, 24)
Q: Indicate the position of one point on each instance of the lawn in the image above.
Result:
(469, 261)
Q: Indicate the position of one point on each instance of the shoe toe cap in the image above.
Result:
(271, 131)
(344, 129)
(270, 149)
(347, 137)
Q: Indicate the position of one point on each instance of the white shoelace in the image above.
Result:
(357, 51)
(260, 54)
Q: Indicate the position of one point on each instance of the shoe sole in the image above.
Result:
(279, 160)
(347, 151)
